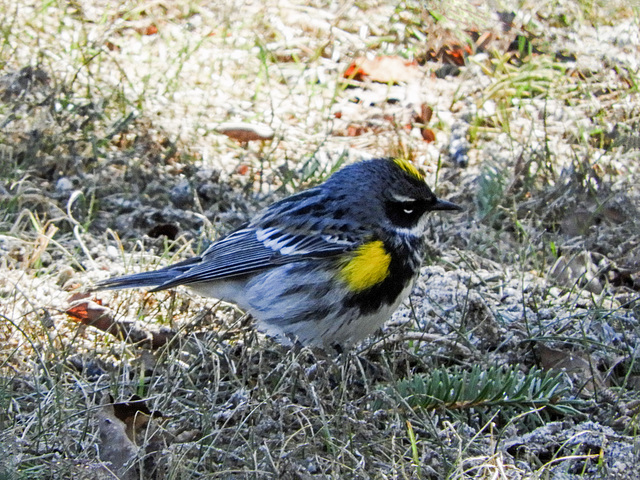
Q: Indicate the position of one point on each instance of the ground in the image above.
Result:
(131, 135)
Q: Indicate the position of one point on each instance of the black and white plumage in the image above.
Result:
(287, 266)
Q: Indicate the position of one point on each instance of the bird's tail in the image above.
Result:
(155, 278)
(138, 280)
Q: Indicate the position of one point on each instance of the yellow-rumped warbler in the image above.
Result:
(324, 267)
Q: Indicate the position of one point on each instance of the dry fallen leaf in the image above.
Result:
(585, 269)
(92, 313)
(426, 112)
(136, 415)
(150, 29)
(89, 312)
(126, 426)
(576, 364)
(246, 132)
(242, 169)
(450, 55)
(428, 135)
(115, 447)
(355, 130)
(383, 69)
(422, 119)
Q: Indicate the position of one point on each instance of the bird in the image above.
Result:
(325, 267)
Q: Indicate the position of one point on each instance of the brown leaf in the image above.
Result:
(450, 55)
(455, 56)
(383, 69)
(242, 169)
(428, 135)
(124, 427)
(585, 269)
(246, 132)
(112, 46)
(483, 40)
(150, 29)
(92, 313)
(80, 296)
(125, 410)
(115, 446)
(426, 112)
(355, 130)
(577, 364)
(136, 415)
(143, 429)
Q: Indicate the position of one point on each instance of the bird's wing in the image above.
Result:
(248, 250)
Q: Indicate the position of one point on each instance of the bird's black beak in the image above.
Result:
(444, 205)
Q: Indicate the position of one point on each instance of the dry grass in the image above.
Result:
(106, 111)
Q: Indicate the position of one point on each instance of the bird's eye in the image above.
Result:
(405, 214)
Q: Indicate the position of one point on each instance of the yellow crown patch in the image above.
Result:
(368, 266)
(409, 168)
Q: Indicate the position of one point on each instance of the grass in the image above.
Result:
(122, 115)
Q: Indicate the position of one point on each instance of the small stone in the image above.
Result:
(64, 275)
(64, 185)
(181, 195)
(458, 144)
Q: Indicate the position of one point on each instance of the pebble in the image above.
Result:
(64, 185)
(181, 195)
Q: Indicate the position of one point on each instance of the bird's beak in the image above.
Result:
(444, 205)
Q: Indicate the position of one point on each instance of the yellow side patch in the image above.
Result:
(409, 168)
(368, 266)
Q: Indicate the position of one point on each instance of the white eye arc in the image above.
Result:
(408, 211)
